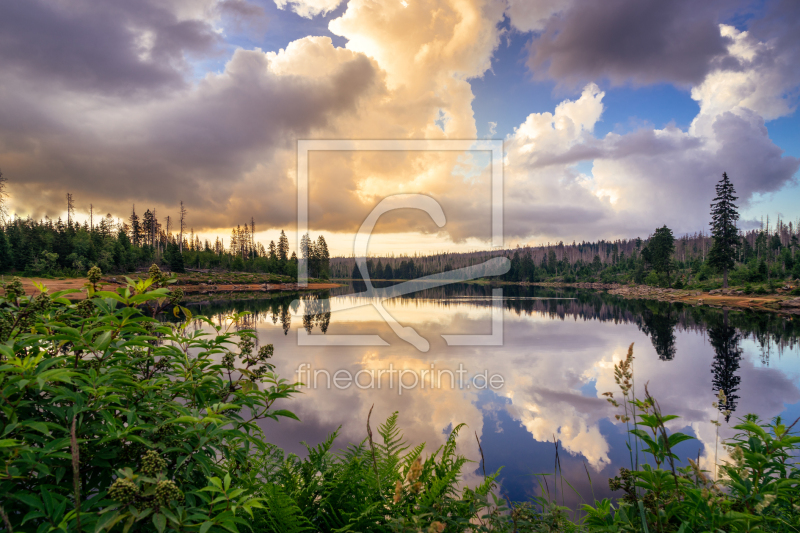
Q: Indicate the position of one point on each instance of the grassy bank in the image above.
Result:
(196, 286)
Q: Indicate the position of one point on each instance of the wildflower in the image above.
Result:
(766, 502)
(416, 488)
(398, 491)
(737, 454)
(176, 296)
(14, 289)
(697, 471)
(623, 372)
(123, 490)
(152, 464)
(94, 276)
(415, 471)
(167, 490)
(436, 527)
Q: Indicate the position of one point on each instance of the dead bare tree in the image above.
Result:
(3, 196)
(70, 209)
(183, 223)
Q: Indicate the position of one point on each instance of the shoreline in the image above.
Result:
(191, 289)
(195, 287)
(726, 299)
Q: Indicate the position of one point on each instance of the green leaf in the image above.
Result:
(106, 521)
(160, 521)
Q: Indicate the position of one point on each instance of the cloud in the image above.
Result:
(544, 365)
(243, 17)
(651, 176)
(225, 143)
(309, 8)
(108, 48)
(201, 145)
(624, 40)
(527, 16)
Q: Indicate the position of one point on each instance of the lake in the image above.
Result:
(539, 393)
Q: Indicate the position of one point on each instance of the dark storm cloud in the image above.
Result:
(197, 146)
(110, 47)
(630, 40)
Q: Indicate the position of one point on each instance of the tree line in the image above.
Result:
(69, 248)
(765, 254)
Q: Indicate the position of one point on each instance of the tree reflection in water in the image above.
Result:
(727, 356)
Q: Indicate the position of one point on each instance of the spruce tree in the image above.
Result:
(661, 247)
(135, 228)
(175, 258)
(283, 247)
(724, 215)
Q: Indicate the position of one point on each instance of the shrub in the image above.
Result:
(756, 491)
(145, 424)
(652, 279)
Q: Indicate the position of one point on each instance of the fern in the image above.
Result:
(281, 513)
(336, 491)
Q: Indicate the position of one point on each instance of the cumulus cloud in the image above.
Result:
(226, 144)
(650, 177)
(128, 122)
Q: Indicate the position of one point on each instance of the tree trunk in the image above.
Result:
(725, 278)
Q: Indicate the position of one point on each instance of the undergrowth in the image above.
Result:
(111, 420)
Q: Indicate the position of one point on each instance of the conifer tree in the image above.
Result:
(135, 227)
(724, 215)
(661, 248)
(283, 247)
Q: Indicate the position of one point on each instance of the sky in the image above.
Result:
(617, 117)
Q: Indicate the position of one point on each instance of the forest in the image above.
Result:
(756, 259)
(766, 254)
(67, 248)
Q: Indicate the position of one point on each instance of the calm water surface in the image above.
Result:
(557, 358)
